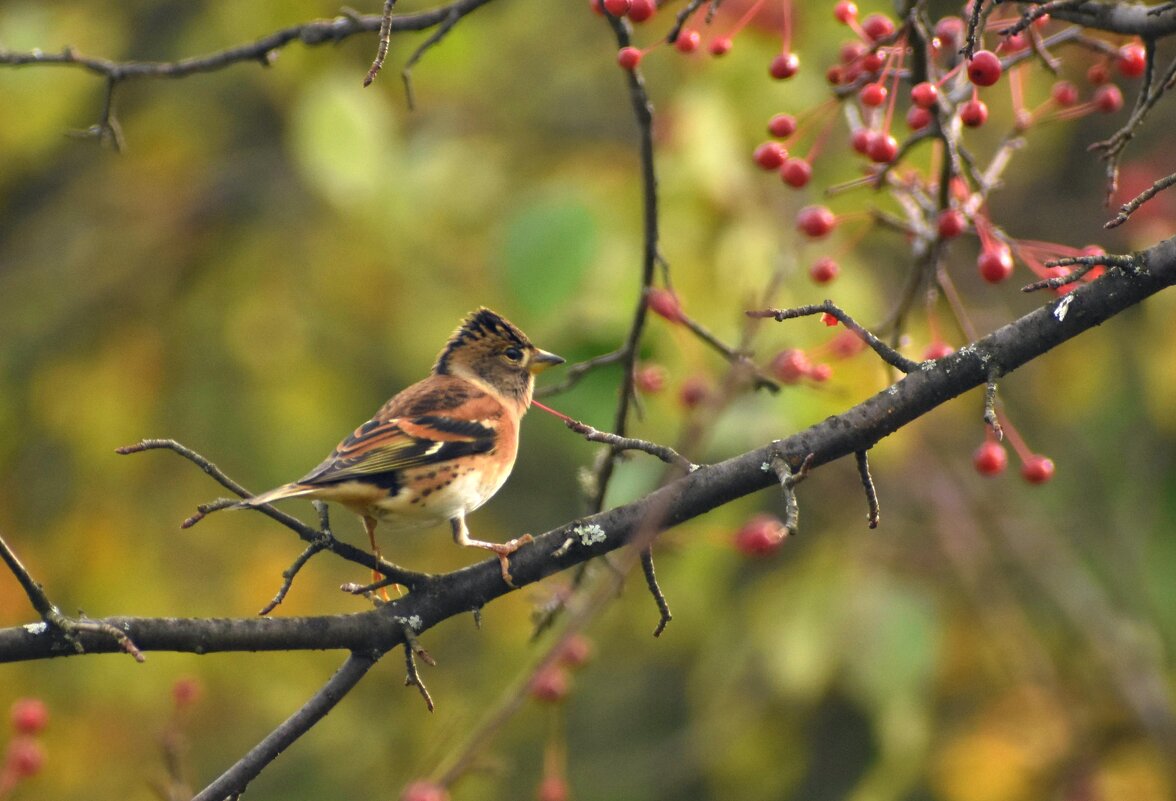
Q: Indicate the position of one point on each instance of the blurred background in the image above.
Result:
(278, 250)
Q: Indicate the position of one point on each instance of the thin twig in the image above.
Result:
(1131, 206)
(234, 780)
(434, 38)
(655, 590)
(729, 353)
(385, 41)
(863, 466)
(887, 353)
(990, 417)
(788, 481)
(412, 678)
(289, 573)
(663, 452)
(574, 373)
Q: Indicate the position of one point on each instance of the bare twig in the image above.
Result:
(574, 373)
(887, 353)
(412, 678)
(788, 481)
(863, 466)
(655, 590)
(1131, 206)
(990, 417)
(663, 452)
(732, 355)
(434, 38)
(385, 41)
(233, 781)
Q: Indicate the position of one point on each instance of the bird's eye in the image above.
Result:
(513, 354)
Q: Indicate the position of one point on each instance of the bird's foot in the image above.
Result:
(503, 550)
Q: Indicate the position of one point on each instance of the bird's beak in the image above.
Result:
(542, 360)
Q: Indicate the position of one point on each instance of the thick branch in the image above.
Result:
(857, 429)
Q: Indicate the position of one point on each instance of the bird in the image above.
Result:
(440, 448)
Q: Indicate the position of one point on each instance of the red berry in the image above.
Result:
(770, 155)
(629, 58)
(576, 651)
(618, 8)
(950, 33)
(552, 788)
(973, 113)
(1012, 44)
(1064, 93)
(861, 138)
(1132, 60)
(834, 75)
(821, 373)
(25, 758)
(1037, 469)
(951, 223)
(422, 790)
(186, 691)
(925, 94)
(995, 264)
(815, 221)
(694, 391)
(873, 95)
(720, 46)
(984, 68)
(937, 350)
(846, 344)
(877, 26)
(990, 459)
(665, 303)
(551, 684)
(918, 118)
(872, 62)
(1108, 99)
(824, 270)
(688, 40)
(1098, 73)
(784, 66)
(883, 148)
(641, 10)
(650, 378)
(796, 172)
(29, 715)
(852, 50)
(789, 366)
(845, 11)
(762, 535)
(782, 126)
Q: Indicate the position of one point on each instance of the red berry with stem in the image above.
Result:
(629, 58)
(815, 221)
(423, 790)
(1064, 93)
(918, 118)
(720, 46)
(984, 68)
(664, 303)
(973, 113)
(877, 26)
(25, 758)
(770, 155)
(796, 172)
(791, 365)
(1107, 98)
(872, 62)
(951, 223)
(824, 270)
(551, 684)
(1098, 74)
(552, 788)
(925, 94)
(782, 126)
(784, 66)
(694, 391)
(873, 95)
(851, 51)
(883, 148)
(641, 10)
(990, 459)
(995, 263)
(650, 378)
(821, 373)
(576, 651)
(688, 40)
(845, 11)
(1132, 60)
(186, 691)
(860, 139)
(29, 715)
(618, 8)
(762, 535)
(1037, 469)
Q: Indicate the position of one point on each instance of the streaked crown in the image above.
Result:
(489, 349)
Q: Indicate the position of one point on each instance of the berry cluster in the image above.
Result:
(24, 756)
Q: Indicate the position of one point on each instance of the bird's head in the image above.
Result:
(487, 349)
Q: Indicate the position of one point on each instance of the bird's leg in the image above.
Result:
(369, 525)
(461, 535)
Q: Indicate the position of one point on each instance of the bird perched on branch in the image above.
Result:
(440, 448)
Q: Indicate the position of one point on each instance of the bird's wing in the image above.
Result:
(382, 447)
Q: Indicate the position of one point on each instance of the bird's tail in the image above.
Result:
(276, 494)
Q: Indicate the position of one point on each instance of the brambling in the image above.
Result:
(440, 448)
